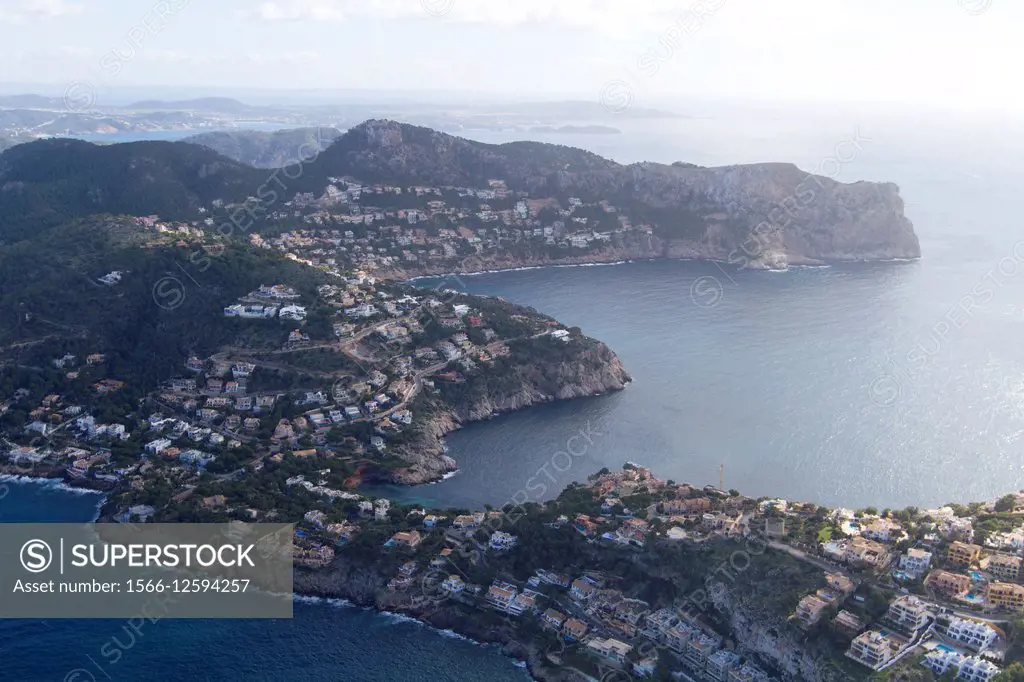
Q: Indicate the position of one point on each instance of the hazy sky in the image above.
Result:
(927, 52)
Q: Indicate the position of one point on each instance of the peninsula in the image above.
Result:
(208, 341)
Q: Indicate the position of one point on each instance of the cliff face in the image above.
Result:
(766, 636)
(363, 584)
(595, 371)
(766, 215)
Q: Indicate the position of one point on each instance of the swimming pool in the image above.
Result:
(943, 647)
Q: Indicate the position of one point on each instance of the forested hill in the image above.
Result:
(50, 182)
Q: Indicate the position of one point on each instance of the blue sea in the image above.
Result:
(325, 641)
(854, 385)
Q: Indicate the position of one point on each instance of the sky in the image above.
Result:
(925, 53)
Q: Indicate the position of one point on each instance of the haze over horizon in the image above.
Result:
(648, 54)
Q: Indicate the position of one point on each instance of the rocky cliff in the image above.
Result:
(762, 631)
(765, 215)
(524, 381)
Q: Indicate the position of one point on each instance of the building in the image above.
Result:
(974, 669)
(848, 623)
(501, 541)
(883, 530)
(316, 518)
(840, 583)
(699, 649)
(871, 649)
(974, 634)
(679, 635)
(941, 660)
(409, 539)
(554, 619)
(574, 629)
(909, 612)
(581, 589)
(810, 609)
(915, 562)
(952, 584)
(453, 584)
(1004, 566)
(863, 552)
(157, 446)
(315, 557)
(609, 649)
(720, 663)
(524, 602)
(500, 595)
(1006, 595)
(963, 553)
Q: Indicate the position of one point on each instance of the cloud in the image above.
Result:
(610, 16)
(20, 11)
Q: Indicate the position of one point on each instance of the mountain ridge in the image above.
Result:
(759, 215)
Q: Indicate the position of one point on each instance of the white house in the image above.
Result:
(453, 584)
(974, 669)
(157, 446)
(501, 540)
(977, 635)
(292, 312)
(915, 562)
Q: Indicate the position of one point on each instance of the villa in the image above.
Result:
(1004, 566)
(975, 634)
(871, 649)
(810, 609)
(909, 613)
(410, 539)
(554, 619)
(952, 584)
(915, 562)
(574, 629)
(502, 541)
(501, 594)
(581, 589)
(610, 649)
(963, 553)
(1006, 595)
(453, 584)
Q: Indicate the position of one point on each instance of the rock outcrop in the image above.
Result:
(773, 641)
(591, 372)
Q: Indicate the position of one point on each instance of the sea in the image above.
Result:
(885, 384)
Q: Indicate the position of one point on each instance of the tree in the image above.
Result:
(1014, 673)
(1006, 503)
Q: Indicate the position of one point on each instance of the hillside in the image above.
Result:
(267, 149)
(49, 182)
(142, 300)
(757, 216)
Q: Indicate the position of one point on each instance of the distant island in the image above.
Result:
(29, 116)
(575, 130)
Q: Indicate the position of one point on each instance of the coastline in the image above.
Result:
(448, 629)
(811, 264)
(522, 655)
(428, 461)
(84, 487)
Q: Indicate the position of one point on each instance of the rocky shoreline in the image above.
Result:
(54, 473)
(683, 251)
(362, 587)
(577, 379)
